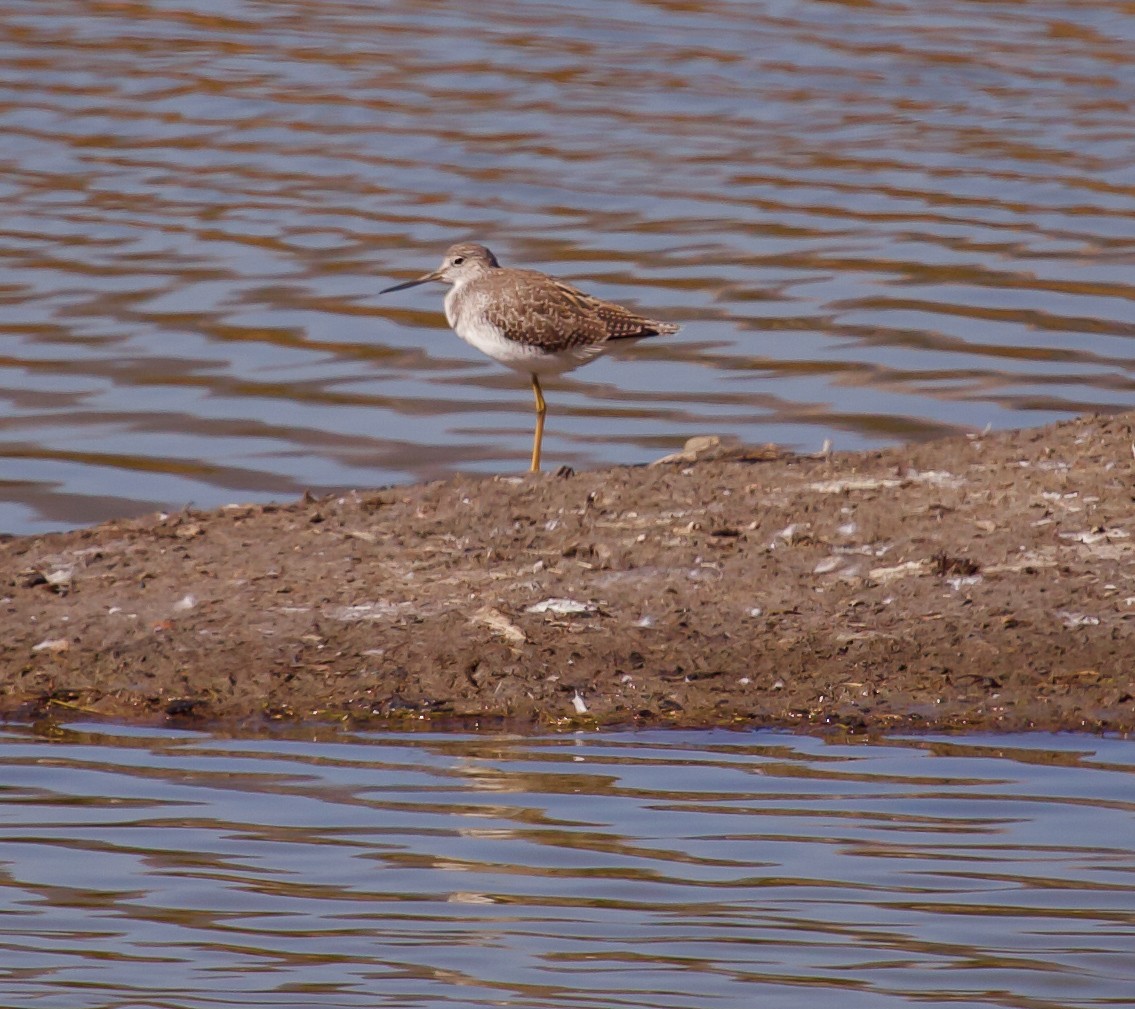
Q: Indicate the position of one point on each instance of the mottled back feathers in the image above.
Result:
(548, 314)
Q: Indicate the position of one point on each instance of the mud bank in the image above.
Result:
(977, 582)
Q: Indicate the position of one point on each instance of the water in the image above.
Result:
(686, 869)
(878, 222)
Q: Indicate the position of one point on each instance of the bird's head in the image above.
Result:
(462, 262)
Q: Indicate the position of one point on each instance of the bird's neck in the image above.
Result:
(457, 292)
(453, 299)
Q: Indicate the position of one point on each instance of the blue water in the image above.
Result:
(876, 222)
(688, 869)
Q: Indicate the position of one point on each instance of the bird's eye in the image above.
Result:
(458, 260)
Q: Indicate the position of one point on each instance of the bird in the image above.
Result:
(529, 321)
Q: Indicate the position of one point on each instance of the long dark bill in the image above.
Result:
(412, 283)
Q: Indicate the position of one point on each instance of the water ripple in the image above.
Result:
(877, 222)
(682, 869)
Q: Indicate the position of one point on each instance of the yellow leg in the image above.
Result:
(538, 438)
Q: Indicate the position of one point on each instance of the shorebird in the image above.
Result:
(527, 320)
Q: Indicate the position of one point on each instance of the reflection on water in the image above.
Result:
(150, 868)
(877, 221)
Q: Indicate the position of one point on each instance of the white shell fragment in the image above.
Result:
(52, 645)
(563, 607)
(380, 610)
(186, 602)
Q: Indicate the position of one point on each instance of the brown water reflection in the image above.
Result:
(654, 869)
(877, 222)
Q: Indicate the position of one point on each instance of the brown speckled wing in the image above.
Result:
(551, 315)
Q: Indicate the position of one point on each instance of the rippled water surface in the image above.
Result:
(876, 221)
(700, 870)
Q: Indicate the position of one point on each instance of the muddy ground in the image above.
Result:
(976, 582)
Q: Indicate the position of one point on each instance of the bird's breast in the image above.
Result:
(468, 319)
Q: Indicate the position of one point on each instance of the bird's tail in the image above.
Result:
(645, 327)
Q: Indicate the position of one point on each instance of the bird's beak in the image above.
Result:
(436, 275)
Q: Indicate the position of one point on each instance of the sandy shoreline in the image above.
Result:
(975, 582)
